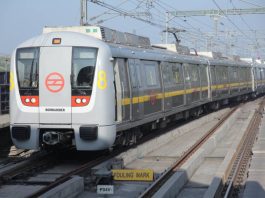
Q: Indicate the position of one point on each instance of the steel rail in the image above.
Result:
(152, 189)
(240, 164)
(22, 166)
(78, 171)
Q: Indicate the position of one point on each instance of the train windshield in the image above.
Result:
(83, 67)
(28, 67)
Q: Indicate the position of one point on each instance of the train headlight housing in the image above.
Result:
(80, 101)
(56, 41)
(31, 101)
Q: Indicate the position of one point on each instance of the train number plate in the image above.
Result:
(105, 189)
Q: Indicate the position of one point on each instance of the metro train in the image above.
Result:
(92, 87)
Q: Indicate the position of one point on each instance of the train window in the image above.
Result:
(151, 74)
(194, 73)
(203, 73)
(225, 74)
(234, 73)
(28, 67)
(176, 70)
(187, 73)
(213, 74)
(134, 76)
(83, 66)
(167, 73)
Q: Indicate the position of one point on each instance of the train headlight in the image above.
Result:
(84, 100)
(33, 100)
(27, 100)
(78, 100)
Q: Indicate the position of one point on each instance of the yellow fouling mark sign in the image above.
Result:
(133, 175)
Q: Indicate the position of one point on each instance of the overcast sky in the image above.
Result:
(23, 19)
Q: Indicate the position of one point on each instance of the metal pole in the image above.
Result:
(167, 18)
(216, 20)
(83, 19)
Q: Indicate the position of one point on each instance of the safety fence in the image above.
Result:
(4, 92)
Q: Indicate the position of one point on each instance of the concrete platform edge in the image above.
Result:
(68, 189)
(172, 187)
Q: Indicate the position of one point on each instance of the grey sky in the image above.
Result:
(22, 19)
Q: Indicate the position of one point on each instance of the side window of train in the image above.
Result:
(151, 73)
(167, 73)
(243, 77)
(225, 74)
(177, 73)
(239, 73)
(134, 76)
(235, 76)
(261, 73)
(203, 74)
(187, 73)
(213, 76)
(256, 73)
(194, 69)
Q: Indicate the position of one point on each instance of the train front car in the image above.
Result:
(63, 93)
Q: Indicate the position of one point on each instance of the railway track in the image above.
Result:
(15, 167)
(241, 163)
(155, 186)
(20, 175)
(44, 161)
(16, 157)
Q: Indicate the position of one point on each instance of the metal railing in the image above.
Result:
(4, 92)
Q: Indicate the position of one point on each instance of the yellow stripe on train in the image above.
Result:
(146, 98)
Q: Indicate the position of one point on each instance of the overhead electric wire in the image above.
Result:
(123, 12)
(250, 28)
(246, 36)
(228, 18)
(198, 36)
(250, 3)
(157, 21)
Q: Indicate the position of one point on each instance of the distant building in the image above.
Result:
(4, 63)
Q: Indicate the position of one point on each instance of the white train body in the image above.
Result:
(80, 89)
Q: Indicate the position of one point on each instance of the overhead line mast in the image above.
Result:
(83, 18)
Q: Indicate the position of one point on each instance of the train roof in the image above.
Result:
(69, 39)
(105, 34)
(125, 45)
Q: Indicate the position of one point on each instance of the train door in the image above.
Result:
(178, 96)
(151, 87)
(55, 87)
(204, 82)
(168, 85)
(122, 90)
(192, 83)
(136, 89)
(214, 81)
